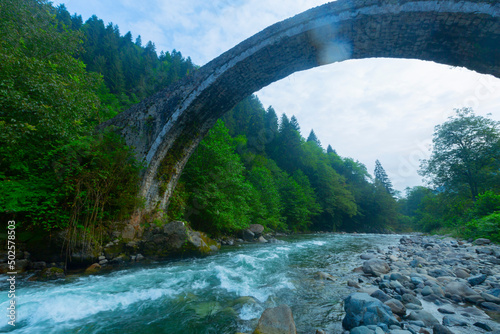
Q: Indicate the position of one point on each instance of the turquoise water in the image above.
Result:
(225, 293)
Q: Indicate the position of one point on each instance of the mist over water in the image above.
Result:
(225, 293)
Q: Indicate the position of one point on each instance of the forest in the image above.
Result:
(61, 77)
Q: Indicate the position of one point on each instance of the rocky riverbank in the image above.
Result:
(426, 285)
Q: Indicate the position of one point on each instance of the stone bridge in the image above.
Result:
(166, 128)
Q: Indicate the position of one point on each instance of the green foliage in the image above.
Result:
(464, 169)
(466, 154)
(219, 196)
(56, 173)
(486, 203)
(484, 227)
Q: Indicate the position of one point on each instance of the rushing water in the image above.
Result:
(225, 293)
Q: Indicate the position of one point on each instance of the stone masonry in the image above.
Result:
(166, 128)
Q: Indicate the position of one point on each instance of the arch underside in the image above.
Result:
(166, 128)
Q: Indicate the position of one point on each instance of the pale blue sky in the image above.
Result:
(370, 109)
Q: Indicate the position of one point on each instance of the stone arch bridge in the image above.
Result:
(166, 128)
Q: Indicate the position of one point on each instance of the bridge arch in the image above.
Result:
(166, 128)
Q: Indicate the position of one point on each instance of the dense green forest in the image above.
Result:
(61, 77)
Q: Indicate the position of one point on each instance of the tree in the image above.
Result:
(466, 154)
(329, 149)
(219, 195)
(295, 124)
(381, 176)
(312, 138)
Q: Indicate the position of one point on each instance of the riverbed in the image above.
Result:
(223, 293)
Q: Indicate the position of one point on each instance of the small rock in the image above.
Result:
(139, 257)
(361, 330)
(353, 284)
(428, 319)
(445, 311)
(449, 321)
(262, 239)
(367, 256)
(408, 298)
(476, 280)
(325, 276)
(490, 298)
(380, 295)
(484, 326)
(426, 291)
(277, 320)
(440, 329)
(396, 306)
(94, 268)
(491, 307)
(482, 241)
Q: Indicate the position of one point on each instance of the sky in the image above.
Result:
(368, 109)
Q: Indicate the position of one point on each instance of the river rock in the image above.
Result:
(48, 274)
(363, 310)
(449, 320)
(490, 298)
(411, 299)
(440, 329)
(476, 280)
(256, 229)
(461, 273)
(491, 307)
(458, 289)
(93, 269)
(247, 235)
(277, 320)
(367, 256)
(482, 241)
(361, 330)
(176, 239)
(376, 267)
(262, 239)
(396, 306)
(428, 319)
(380, 295)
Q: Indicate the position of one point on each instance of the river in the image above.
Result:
(224, 293)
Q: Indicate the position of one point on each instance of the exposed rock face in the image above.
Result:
(278, 320)
(361, 309)
(176, 239)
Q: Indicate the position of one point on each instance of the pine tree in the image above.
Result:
(381, 176)
(295, 124)
(312, 137)
(329, 149)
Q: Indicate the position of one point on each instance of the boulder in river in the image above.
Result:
(364, 310)
(376, 267)
(256, 229)
(277, 320)
(176, 239)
